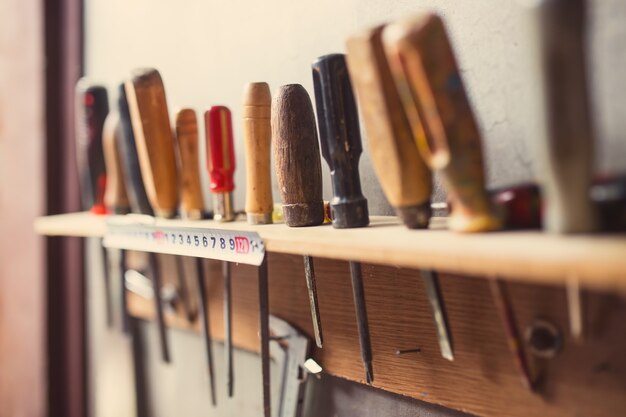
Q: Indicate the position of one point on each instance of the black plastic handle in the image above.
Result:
(137, 196)
(340, 139)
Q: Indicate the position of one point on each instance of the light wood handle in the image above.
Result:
(257, 135)
(427, 76)
(115, 197)
(153, 137)
(192, 202)
(403, 174)
(564, 151)
(297, 156)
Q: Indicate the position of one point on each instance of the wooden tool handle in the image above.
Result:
(257, 135)
(297, 157)
(115, 198)
(424, 67)
(340, 139)
(565, 145)
(403, 174)
(153, 137)
(192, 202)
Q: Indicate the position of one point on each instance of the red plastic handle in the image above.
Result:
(220, 149)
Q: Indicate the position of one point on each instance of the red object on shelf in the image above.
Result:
(220, 149)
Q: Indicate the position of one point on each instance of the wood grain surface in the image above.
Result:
(153, 136)
(597, 261)
(297, 157)
(115, 197)
(587, 379)
(257, 135)
(191, 200)
(403, 174)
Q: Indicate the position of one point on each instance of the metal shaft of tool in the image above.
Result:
(228, 328)
(264, 327)
(108, 303)
(358, 293)
(158, 306)
(512, 334)
(123, 298)
(309, 273)
(431, 281)
(183, 288)
(206, 329)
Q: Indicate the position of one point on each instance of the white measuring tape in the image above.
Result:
(141, 233)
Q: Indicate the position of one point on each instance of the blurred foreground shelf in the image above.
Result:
(596, 261)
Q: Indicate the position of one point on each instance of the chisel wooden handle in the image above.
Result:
(153, 137)
(427, 76)
(130, 160)
(115, 198)
(297, 157)
(340, 139)
(92, 107)
(192, 202)
(403, 175)
(257, 135)
(565, 146)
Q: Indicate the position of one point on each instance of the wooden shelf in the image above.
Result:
(596, 261)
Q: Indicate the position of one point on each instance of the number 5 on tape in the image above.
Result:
(225, 245)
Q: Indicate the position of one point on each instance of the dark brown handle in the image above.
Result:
(297, 156)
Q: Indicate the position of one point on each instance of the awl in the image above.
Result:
(299, 173)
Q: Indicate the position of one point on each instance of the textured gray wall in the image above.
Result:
(207, 50)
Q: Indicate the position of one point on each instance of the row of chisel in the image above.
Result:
(418, 120)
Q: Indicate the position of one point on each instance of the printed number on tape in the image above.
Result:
(225, 245)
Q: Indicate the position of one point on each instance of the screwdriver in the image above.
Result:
(341, 147)
(444, 128)
(192, 207)
(155, 150)
(299, 173)
(115, 197)
(404, 177)
(221, 167)
(92, 107)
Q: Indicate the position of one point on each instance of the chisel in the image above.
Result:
(155, 149)
(299, 173)
(341, 147)
(404, 177)
(444, 128)
(192, 207)
(92, 107)
(115, 196)
(221, 167)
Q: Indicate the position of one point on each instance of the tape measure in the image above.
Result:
(133, 232)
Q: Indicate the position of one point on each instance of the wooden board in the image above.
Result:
(596, 261)
(587, 379)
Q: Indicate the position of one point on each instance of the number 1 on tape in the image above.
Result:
(225, 245)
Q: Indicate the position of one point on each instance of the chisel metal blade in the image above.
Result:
(431, 281)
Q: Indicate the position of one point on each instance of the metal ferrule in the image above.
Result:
(259, 218)
(223, 207)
